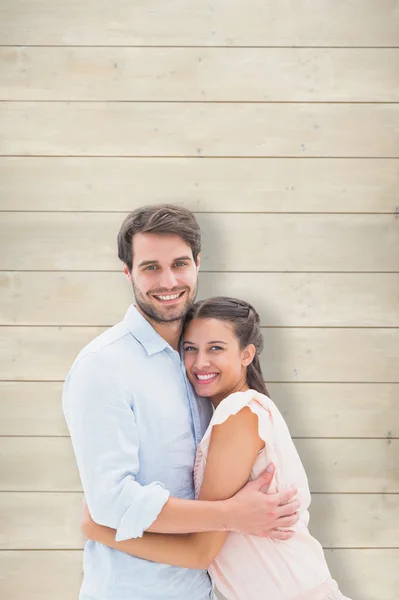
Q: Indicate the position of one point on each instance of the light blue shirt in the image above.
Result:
(135, 424)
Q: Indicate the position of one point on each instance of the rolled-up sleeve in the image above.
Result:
(106, 444)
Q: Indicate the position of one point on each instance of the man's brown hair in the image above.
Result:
(158, 218)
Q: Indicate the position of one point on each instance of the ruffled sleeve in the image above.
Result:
(259, 404)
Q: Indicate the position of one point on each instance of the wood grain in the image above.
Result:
(308, 23)
(200, 184)
(199, 129)
(206, 74)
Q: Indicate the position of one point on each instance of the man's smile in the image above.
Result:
(168, 298)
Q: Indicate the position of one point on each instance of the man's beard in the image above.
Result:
(167, 315)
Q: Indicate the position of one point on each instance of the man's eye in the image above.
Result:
(180, 264)
(150, 268)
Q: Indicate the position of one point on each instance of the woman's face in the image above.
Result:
(214, 361)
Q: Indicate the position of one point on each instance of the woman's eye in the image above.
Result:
(216, 348)
(189, 348)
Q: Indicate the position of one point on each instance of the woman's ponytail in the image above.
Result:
(254, 376)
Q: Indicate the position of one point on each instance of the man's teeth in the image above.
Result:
(204, 377)
(172, 297)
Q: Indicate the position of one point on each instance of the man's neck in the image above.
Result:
(170, 332)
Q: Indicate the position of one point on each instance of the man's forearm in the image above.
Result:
(190, 516)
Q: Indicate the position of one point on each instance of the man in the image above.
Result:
(135, 423)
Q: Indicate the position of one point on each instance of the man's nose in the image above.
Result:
(168, 279)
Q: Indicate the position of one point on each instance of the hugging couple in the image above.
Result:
(192, 482)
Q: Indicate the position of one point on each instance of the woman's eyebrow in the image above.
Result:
(212, 342)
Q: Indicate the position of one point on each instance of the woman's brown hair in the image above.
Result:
(246, 325)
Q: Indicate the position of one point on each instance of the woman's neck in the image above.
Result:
(240, 387)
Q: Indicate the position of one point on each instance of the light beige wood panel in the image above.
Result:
(364, 573)
(373, 520)
(343, 355)
(338, 410)
(38, 464)
(207, 74)
(56, 346)
(310, 409)
(287, 299)
(177, 23)
(41, 575)
(31, 408)
(231, 242)
(291, 354)
(199, 129)
(206, 184)
(355, 466)
(40, 521)
(333, 466)
(51, 520)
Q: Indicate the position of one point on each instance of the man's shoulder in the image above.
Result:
(109, 346)
(107, 339)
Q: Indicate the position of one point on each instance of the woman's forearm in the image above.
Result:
(193, 551)
(186, 516)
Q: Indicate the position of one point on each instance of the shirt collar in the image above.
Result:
(143, 331)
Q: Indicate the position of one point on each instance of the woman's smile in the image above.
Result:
(213, 358)
(205, 378)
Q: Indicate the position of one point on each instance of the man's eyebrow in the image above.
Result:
(144, 263)
(148, 262)
(182, 258)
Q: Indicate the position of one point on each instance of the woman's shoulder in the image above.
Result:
(229, 407)
(238, 400)
(234, 403)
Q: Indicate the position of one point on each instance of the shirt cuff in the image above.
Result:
(138, 518)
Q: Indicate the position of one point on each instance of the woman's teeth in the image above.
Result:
(206, 377)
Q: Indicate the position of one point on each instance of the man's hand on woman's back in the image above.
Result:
(253, 511)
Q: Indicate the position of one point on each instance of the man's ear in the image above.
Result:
(198, 262)
(248, 354)
(127, 272)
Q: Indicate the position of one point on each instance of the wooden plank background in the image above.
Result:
(276, 185)
(192, 74)
(280, 131)
(176, 23)
(199, 129)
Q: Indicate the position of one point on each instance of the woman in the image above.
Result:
(222, 342)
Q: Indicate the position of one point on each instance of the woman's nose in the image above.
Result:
(202, 360)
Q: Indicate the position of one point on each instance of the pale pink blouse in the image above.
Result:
(255, 568)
